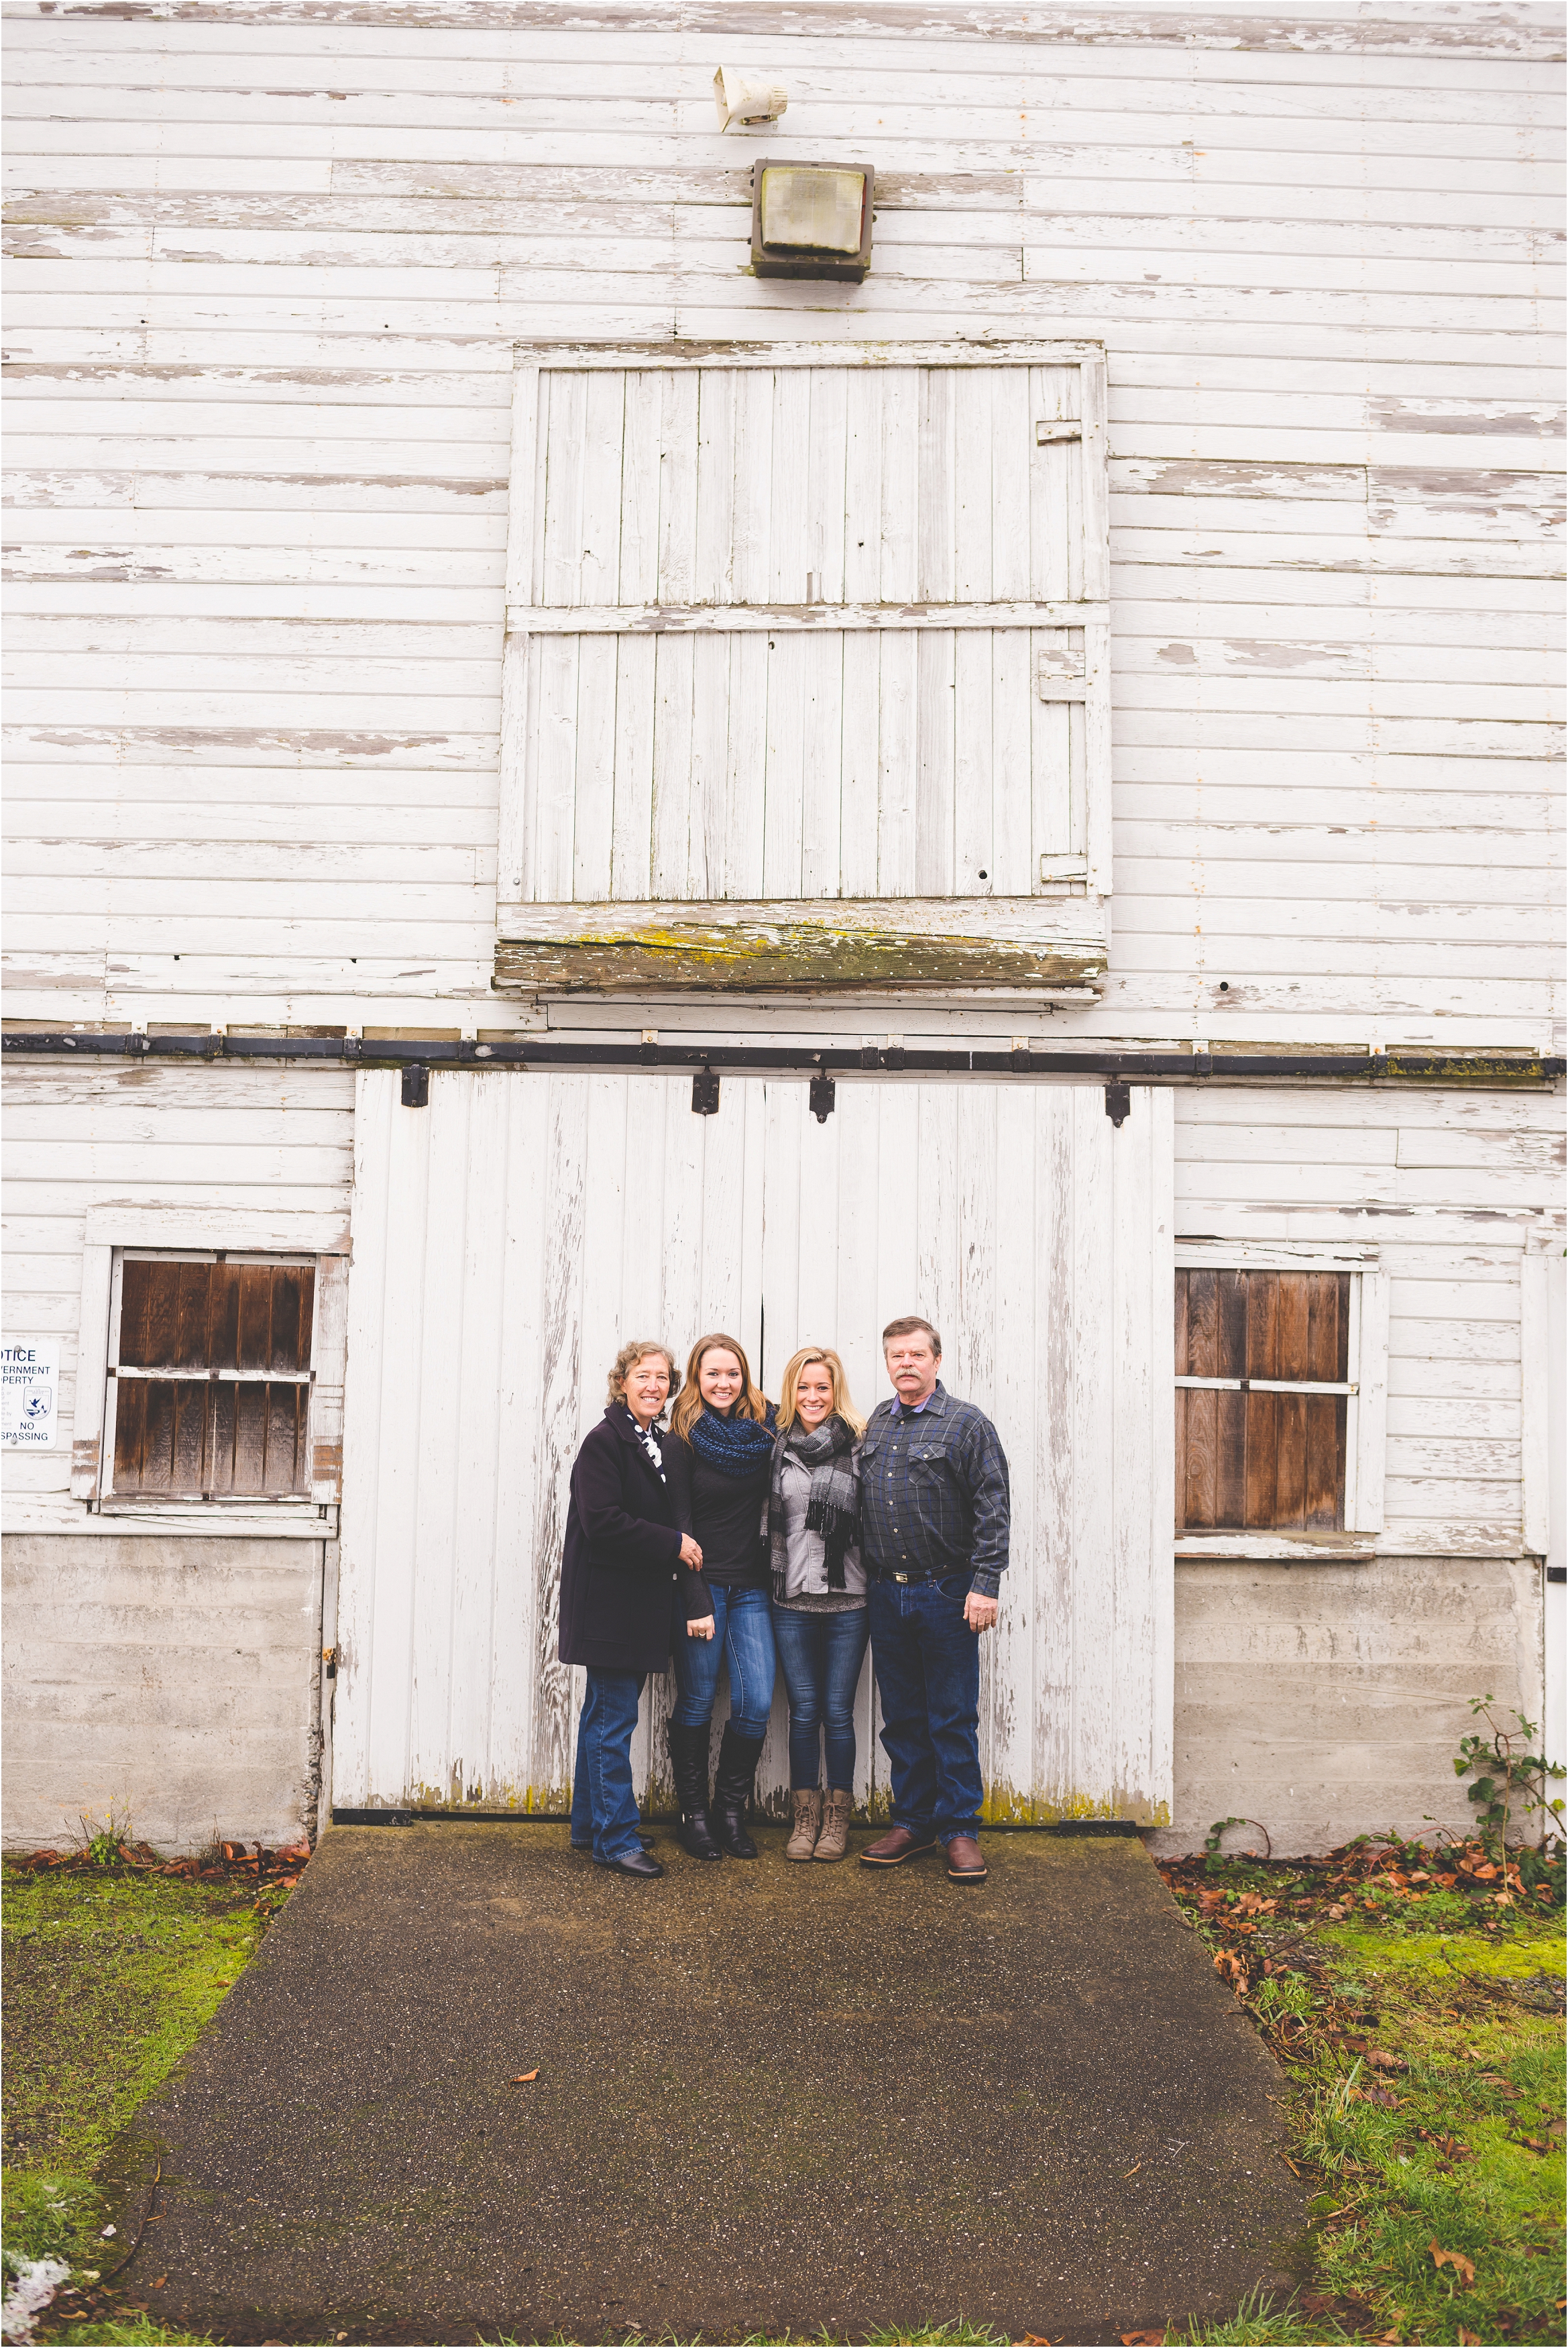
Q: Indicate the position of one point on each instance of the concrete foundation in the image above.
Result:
(175, 1680)
(1326, 1701)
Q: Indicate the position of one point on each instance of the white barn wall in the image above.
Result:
(267, 274)
(1327, 1700)
(268, 271)
(165, 1665)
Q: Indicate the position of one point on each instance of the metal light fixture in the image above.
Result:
(812, 220)
(749, 99)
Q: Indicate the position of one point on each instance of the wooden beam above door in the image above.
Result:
(803, 945)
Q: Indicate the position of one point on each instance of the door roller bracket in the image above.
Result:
(704, 1094)
(823, 1092)
(1118, 1101)
(415, 1085)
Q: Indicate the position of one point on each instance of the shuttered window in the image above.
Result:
(210, 1376)
(808, 669)
(1263, 1393)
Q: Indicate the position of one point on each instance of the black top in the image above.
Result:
(624, 1594)
(723, 1514)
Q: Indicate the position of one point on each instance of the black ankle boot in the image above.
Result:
(732, 1791)
(689, 1768)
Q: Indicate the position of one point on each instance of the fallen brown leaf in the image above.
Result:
(1469, 2338)
(1376, 2055)
(159, 2282)
(1463, 2267)
(1143, 2340)
(523, 2077)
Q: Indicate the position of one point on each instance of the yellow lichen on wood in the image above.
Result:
(1007, 1805)
(804, 944)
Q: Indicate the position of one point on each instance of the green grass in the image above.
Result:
(110, 1978)
(139, 2333)
(1439, 2156)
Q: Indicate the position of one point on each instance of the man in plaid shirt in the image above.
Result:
(934, 1519)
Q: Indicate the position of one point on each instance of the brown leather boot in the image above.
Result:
(802, 1844)
(965, 1864)
(897, 1846)
(834, 1840)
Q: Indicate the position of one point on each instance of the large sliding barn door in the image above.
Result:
(508, 1237)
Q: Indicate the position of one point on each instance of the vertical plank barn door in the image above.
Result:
(508, 1236)
(1038, 1237)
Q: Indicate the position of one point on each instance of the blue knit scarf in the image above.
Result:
(735, 1446)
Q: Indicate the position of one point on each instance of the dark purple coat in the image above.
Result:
(624, 1592)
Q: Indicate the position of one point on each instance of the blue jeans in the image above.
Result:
(744, 1636)
(821, 1655)
(603, 1806)
(928, 1670)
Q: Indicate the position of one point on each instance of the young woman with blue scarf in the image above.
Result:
(720, 1463)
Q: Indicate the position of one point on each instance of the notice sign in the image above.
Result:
(30, 1388)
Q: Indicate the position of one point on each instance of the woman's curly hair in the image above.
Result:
(628, 1359)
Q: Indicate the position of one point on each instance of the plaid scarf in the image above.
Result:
(834, 1507)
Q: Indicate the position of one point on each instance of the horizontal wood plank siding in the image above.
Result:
(1291, 1167)
(268, 273)
(210, 1149)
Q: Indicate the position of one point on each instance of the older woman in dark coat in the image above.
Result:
(628, 1591)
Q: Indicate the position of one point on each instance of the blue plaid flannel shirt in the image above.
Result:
(933, 1492)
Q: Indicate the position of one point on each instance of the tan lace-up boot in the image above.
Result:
(802, 1844)
(833, 1840)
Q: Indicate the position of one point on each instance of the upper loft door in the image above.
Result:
(807, 670)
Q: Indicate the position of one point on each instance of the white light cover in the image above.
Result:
(814, 210)
(747, 98)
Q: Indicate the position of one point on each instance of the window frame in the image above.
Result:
(1366, 1390)
(116, 1373)
(113, 1233)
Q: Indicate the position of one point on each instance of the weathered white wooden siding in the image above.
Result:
(206, 1143)
(269, 270)
(165, 1662)
(511, 1236)
(1450, 1188)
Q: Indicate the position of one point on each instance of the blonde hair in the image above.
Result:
(628, 1359)
(750, 1403)
(842, 1404)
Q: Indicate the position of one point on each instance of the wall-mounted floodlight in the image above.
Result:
(749, 99)
(812, 220)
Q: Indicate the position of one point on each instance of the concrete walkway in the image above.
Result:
(769, 2099)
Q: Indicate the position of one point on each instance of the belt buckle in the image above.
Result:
(900, 1577)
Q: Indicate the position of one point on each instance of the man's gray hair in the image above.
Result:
(905, 1326)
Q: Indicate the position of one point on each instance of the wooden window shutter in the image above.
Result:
(807, 670)
(211, 1378)
(1263, 1387)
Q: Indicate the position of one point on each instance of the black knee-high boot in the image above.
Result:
(732, 1791)
(688, 1766)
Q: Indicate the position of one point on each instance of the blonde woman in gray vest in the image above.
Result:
(820, 1624)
